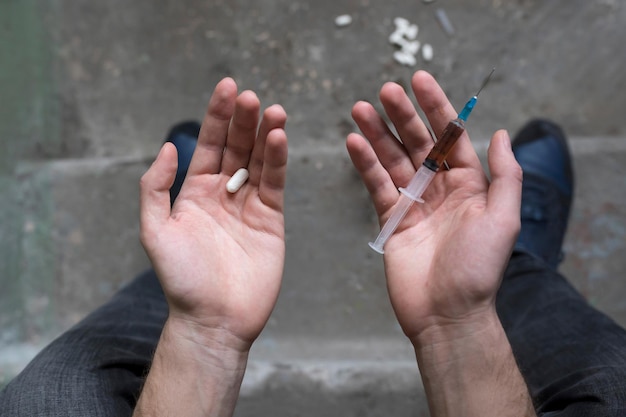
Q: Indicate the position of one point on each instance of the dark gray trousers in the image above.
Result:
(572, 356)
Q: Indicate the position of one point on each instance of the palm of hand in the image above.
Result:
(439, 265)
(221, 256)
(445, 261)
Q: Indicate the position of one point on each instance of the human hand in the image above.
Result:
(220, 256)
(445, 261)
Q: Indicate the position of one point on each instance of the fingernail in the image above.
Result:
(506, 140)
(160, 151)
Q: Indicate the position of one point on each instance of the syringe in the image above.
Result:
(426, 172)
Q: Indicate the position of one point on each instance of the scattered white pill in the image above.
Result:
(401, 22)
(343, 20)
(237, 180)
(396, 38)
(404, 58)
(405, 37)
(427, 52)
(411, 47)
(411, 32)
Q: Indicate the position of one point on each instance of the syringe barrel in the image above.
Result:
(418, 184)
(446, 141)
(420, 181)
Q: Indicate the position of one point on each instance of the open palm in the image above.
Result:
(220, 256)
(445, 261)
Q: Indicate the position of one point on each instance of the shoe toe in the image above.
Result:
(184, 136)
(541, 150)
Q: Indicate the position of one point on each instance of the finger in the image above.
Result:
(207, 158)
(390, 152)
(274, 117)
(433, 101)
(155, 187)
(412, 130)
(505, 192)
(241, 133)
(376, 179)
(272, 183)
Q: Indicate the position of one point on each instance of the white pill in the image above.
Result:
(397, 38)
(403, 58)
(411, 32)
(411, 47)
(237, 180)
(427, 52)
(343, 20)
(401, 22)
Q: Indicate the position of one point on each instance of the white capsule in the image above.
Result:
(411, 47)
(403, 58)
(401, 22)
(411, 32)
(427, 52)
(237, 180)
(397, 38)
(343, 20)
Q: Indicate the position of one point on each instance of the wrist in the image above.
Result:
(469, 364)
(195, 371)
(454, 331)
(205, 343)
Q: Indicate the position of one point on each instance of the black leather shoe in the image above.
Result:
(542, 151)
(184, 136)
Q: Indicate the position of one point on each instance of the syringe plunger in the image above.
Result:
(412, 193)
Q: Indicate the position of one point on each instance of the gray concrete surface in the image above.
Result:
(89, 89)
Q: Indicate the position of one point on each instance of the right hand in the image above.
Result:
(445, 261)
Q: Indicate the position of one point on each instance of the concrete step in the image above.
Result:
(75, 242)
(335, 388)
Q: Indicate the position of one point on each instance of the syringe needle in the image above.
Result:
(485, 81)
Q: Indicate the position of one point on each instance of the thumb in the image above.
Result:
(505, 192)
(155, 187)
